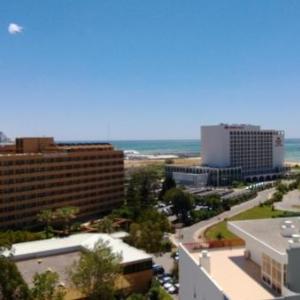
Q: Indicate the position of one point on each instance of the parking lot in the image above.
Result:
(167, 262)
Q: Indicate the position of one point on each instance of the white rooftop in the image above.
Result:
(267, 231)
(238, 277)
(76, 242)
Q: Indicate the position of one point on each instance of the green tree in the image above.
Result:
(142, 187)
(277, 196)
(136, 297)
(96, 271)
(12, 285)
(214, 202)
(133, 200)
(148, 233)
(66, 215)
(158, 293)
(282, 188)
(46, 287)
(220, 236)
(182, 203)
(5, 243)
(106, 225)
(46, 217)
(168, 184)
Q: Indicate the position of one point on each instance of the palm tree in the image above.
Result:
(66, 215)
(46, 217)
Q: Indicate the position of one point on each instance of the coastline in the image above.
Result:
(188, 161)
(138, 163)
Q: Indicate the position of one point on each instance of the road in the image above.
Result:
(191, 233)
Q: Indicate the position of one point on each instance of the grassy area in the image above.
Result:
(259, 212)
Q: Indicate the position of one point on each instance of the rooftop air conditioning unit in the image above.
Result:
(288, 228)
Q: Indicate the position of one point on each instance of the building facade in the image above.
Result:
(257, 152)
(199, 176)
(59, 254)
(233, 153)
(266, 267)
(37, 174)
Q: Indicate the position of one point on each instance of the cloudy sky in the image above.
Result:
(78, 69)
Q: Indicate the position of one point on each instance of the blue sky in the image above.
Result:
(137, 69)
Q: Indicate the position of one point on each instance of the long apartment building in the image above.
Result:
(266, 267)
(37, 174)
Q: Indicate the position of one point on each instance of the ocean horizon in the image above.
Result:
(189, 147)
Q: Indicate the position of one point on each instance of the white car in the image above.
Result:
(172, 289)
(168, 285)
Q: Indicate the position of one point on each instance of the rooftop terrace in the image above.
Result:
(238, 277)
(267, 231)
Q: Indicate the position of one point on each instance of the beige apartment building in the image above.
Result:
(37, 173)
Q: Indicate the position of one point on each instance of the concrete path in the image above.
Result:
(290, 202)
(191, 233)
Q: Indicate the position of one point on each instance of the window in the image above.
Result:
(271, 272)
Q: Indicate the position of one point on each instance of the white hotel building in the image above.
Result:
(256, 151)
(235, 152)
(267, 267)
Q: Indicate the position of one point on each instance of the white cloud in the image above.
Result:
(14, 28)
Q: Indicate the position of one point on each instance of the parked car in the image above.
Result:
(159, 276)
(168, 285)
(158, 269)
(167, 279)
(164, 278)
(175, 255)
(172, 289)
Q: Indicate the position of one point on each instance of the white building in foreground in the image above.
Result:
(267, 267)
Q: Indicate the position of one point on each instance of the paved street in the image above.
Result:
(191, 233)
(165, 260)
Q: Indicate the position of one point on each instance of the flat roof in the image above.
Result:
(76, 243)
(57, 263)
(268, 231)
(83, 144)
(238, 277)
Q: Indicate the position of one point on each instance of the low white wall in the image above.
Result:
(195, 282)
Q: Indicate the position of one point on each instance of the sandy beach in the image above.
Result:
(189, 161)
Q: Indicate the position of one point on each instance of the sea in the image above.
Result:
(190, 147)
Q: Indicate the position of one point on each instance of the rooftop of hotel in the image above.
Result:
(238, 277)
(268, 231)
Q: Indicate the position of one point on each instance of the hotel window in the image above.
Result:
(271, 273)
